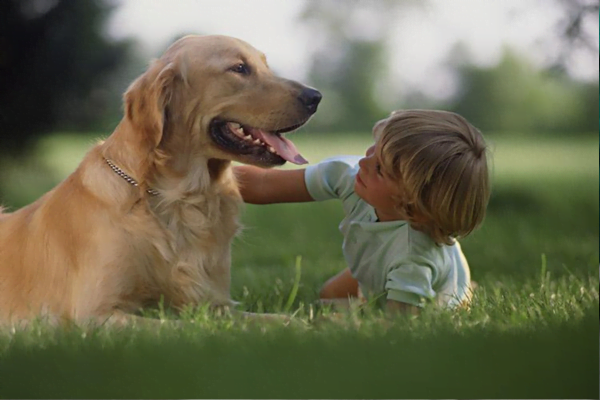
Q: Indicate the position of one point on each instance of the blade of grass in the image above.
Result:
(294, 292)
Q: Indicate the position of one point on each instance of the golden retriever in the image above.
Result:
(153, 209)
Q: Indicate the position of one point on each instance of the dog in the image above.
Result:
(150, 213)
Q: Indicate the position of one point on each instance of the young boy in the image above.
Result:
(423, 184)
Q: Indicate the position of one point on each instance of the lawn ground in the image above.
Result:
(532, 331)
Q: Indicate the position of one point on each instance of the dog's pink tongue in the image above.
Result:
(284, 147)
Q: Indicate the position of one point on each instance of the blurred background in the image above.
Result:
(522, 68)
(524, 71)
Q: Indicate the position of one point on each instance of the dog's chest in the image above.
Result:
(201, 227)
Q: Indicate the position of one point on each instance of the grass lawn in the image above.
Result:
(532, 331)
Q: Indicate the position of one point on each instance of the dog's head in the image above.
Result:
(216, 97)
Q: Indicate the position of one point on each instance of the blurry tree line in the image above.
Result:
(59, 71)
(512, 96)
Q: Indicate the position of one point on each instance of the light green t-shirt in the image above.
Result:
(389, 258)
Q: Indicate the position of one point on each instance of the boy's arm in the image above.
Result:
(265, 186)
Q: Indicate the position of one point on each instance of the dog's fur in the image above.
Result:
(96, 245)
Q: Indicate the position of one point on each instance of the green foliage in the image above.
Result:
(348, 83)
(513, 96)
(349, 67)
(348, 64)
(55, 62)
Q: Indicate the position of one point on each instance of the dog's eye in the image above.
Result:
(240, 68)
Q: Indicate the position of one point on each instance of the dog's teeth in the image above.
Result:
(236, 129)
(248, 138)
(257, 141)
(271, 149)
(234, 126)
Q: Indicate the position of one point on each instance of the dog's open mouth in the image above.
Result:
(269, 147)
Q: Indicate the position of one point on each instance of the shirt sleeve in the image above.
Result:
(332, 178)
(410, 283)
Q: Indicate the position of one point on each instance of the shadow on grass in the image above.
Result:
(553, 360)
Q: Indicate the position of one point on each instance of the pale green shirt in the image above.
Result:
(389, 259)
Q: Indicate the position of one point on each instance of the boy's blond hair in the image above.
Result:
(440, 162)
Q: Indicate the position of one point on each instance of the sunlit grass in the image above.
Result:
(513, 157)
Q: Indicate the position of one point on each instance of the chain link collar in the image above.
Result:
(129, 179)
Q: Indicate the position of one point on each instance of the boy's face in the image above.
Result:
(377, 189)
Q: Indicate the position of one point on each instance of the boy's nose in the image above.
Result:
(361, 162)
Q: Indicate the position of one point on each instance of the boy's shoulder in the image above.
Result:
(332, 178)
(340, 163)
(419, 247)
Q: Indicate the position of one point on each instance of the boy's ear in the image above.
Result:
(412, 212)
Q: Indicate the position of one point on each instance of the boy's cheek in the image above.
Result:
(358, 189)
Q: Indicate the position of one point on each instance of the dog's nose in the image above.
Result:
(310, 98)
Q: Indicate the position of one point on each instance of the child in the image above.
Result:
(423, 184)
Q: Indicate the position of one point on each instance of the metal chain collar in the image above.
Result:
(129, 179)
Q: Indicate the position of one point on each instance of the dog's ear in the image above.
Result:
(146, 101)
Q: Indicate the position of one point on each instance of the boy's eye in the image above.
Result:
(378, 168)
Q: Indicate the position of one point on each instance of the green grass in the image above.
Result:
(532, 331)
